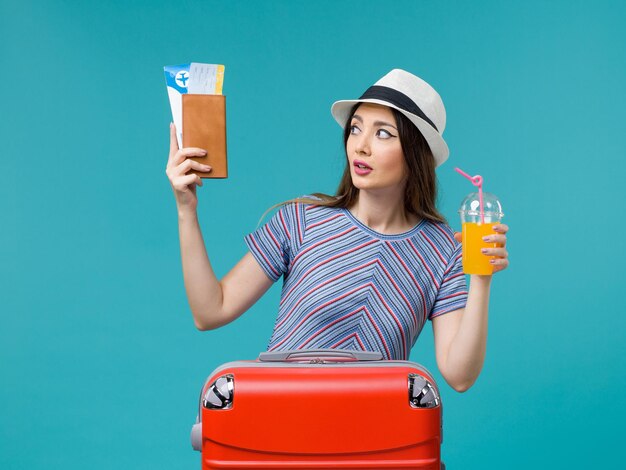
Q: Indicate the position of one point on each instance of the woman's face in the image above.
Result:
(374, 150)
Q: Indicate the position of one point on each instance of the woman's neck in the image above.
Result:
(382, 213)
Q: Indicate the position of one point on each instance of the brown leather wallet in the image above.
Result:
(204, 126)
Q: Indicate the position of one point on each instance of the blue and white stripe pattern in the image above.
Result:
(349, 287)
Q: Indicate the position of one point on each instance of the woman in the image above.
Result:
(366, 268)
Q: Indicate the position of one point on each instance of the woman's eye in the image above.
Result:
(354, 129)
(382, 133)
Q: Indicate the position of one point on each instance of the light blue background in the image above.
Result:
(100, 363)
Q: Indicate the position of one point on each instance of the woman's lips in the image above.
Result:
(361, 168)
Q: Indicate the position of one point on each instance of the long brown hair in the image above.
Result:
(420, 191)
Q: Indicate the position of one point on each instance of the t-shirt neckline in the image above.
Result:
(383, 236)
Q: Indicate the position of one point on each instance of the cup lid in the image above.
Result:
(471, 205)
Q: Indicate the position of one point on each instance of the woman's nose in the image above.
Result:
(363, 145)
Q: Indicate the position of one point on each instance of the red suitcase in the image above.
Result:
(319, 409)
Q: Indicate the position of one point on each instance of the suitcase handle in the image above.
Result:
(320, 355)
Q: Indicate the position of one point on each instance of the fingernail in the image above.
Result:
(487, 238)
(483, 250)
(492, 261)
(207, 167)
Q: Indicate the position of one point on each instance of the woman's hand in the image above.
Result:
(178, 164)
(501, 260)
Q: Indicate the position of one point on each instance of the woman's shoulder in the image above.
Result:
(441, 234)
(306, 207)
(300, 213)
(315, 202)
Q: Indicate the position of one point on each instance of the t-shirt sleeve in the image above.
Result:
(275, 244)
(452, 293)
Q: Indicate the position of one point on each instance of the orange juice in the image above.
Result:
(474, 262)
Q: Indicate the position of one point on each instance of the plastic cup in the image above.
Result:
(475, 228)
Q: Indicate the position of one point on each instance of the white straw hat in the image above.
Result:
(414, 98)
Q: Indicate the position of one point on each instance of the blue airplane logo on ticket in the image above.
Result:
(181, 78)
(177, 76)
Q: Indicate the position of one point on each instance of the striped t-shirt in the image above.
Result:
(348, 287)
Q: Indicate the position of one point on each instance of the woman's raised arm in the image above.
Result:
(461, 336)
(213, 302)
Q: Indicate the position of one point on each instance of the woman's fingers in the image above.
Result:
(179, 178)
(500, 252)
(173, 171)
(173, 142)
(178, 155)
(179, 165)
(500, 239)
(183, 183)
(501, 260)
(501, 228)
(499, 264)
(182, 154)
(189, 164)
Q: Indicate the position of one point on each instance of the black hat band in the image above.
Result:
(396, 98)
